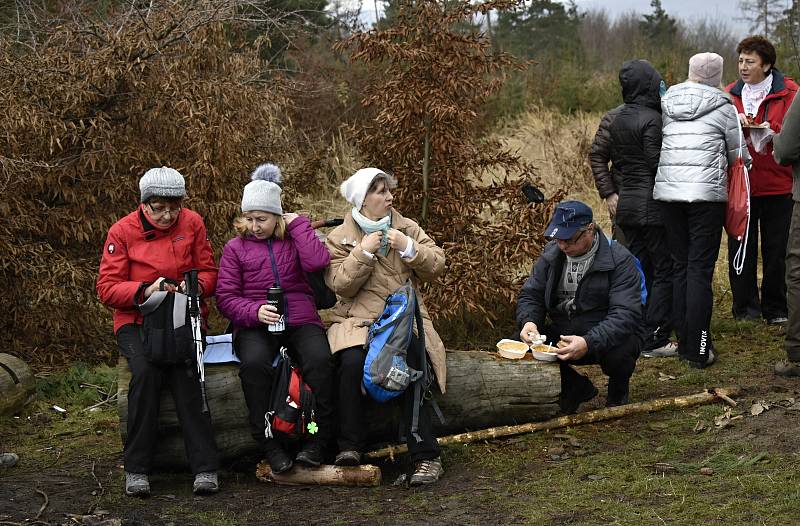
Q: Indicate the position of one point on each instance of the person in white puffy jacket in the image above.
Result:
(701, 138)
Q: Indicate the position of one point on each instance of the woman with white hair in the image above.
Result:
(146, 252)
(701, 138)
(375, 251)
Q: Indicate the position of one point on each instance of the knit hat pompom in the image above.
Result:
(267, 172)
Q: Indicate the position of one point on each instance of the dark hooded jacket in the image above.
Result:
(636, 144)
(608, 305)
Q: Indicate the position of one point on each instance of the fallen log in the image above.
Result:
(327, 475)
(482, 391)
(17, 384)
(598, 415)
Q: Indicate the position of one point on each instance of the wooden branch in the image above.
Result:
(599, 415)
(364, 475)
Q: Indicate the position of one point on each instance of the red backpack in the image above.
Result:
(291, 405)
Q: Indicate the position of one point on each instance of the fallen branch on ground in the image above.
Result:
(598, 415)
(46, 502)
(364, 475)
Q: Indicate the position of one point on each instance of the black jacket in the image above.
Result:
(608, 306)
(607, 181)
(636, 144)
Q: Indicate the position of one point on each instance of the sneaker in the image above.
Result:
(780, 320)
(697, 365)
(666, 351)
(205, 483)
(348, 458)
(427, 471)
(310, 455)
(137, 485)
(787, 368)
(278, 460)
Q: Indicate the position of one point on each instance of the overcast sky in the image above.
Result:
(688, 10)
(725, 10)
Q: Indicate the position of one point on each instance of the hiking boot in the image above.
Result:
(666, 351)
(787, 368)
(310, 455)
(278, 460)
(618, 391)
(581, 391)
(697, 365)
(137, 485)
(205, 483)
(8, 460)
(780, 320)
(348, 458)
(427, 471)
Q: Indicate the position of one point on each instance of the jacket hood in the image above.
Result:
(640, 84)
(691, 100)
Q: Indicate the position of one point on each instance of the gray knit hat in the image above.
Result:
(706, 68)
(162, 182)
(263, 193)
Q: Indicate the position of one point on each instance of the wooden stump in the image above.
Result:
(17, 384)
(482, 391)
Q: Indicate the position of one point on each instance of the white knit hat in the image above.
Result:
(162, 182)
(706, 68)
(354, 189)
(263, 193)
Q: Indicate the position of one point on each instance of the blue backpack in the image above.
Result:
(386, 371)
(638, 264)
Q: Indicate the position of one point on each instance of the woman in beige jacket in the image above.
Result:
(373, 253)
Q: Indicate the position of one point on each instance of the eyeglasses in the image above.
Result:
(163, 210)
(574, 239)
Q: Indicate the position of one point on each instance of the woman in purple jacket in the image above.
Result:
(271, 242)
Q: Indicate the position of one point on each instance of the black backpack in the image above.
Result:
(167, 329)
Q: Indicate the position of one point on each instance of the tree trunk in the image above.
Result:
(483, 390)
(17, 384)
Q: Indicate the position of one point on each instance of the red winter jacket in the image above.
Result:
(136, 254)
(768, 177)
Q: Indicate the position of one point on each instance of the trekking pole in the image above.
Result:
(192, 290)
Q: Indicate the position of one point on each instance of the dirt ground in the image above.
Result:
(702, 465)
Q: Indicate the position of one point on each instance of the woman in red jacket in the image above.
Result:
(146, 251)
(762, 97)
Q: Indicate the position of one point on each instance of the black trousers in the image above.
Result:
(774, 214)
(308, 348)
(618, 363)
(649, 245)
(694, 233)
(144, 397)
(352, 429)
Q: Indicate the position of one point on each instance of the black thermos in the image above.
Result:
(275, 298)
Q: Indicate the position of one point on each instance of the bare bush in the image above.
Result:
(89, 104)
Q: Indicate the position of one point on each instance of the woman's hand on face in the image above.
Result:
(289, 217)
(397, 239)
(372, 242)
(268, 314)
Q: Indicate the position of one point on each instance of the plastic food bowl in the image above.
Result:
(545, 353)
(512, 349)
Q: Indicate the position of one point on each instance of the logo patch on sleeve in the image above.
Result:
(111, 248)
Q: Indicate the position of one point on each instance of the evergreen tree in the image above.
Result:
(539, 29)
(658, 27)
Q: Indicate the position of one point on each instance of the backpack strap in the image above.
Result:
(422, 384)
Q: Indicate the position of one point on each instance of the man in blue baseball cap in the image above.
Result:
(585, 295)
